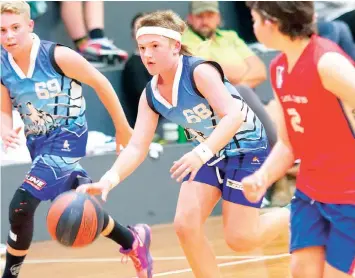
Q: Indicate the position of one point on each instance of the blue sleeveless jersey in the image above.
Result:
(192, 111)
(51, 104)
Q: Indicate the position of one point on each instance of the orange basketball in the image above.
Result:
(75, 219)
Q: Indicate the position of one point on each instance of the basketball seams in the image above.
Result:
(55, 212)
(75, 219)
(88, 225)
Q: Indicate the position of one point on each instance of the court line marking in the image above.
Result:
(258, 259)
(100, 260)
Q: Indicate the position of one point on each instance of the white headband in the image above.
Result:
(153, 30)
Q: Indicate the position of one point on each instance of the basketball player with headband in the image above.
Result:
(230, 143)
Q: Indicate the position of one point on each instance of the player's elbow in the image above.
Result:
(138, 150)
(287, 150)
(236, 119)
(261, 73)
(257, 73)
(99, 83)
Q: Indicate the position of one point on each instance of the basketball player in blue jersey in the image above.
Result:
(42, 80)
(231, 143)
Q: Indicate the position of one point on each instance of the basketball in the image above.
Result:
(75, 219)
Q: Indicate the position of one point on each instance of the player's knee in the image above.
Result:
(240, 241)
(21, 213)
(22, 208)
(301, 268)
(186, 226)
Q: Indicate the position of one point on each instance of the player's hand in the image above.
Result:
(190, 163)
(254, 187)
(102, 187)
(122, 138)
(11, 138)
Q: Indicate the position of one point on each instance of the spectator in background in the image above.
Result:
(206, 40)
(337, 10)
(336, 22)
(338, 32)
(85, 24)
(134, 78)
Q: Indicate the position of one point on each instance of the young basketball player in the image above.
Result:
(314, 81)
(231, 143)
(42, 80)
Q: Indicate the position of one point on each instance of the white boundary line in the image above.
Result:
(257, 259)
(100, 260)
(243, 260)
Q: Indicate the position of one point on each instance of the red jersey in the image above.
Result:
(319, 126)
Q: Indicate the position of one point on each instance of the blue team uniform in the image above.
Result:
(245, 152)
(52, 108)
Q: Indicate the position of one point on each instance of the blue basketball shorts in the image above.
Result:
(52, 175)
(226, 174)
(329, 225)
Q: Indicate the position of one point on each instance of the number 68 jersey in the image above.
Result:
(44, 96)
(51, 104)
(319, 126)
(193, 112)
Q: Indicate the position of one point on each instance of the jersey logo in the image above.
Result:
(66, 146)
(279, 76)
(35, 182)
(234, 184)
(255, 160)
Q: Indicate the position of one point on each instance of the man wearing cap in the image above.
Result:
(206, 40)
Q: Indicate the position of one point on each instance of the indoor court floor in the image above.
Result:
(102, 259)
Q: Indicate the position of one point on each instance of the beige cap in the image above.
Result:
(197, 7)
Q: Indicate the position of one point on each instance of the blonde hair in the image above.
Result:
(16, 7)
(167, 19)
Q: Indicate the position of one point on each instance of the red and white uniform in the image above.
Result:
(320, 127)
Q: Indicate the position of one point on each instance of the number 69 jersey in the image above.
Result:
(193, 112)
(319, 126)
(48, 101)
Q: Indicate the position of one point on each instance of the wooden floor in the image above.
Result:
(102, 259)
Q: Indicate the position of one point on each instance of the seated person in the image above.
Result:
(206, 40)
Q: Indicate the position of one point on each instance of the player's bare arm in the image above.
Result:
(208, 82)
(6, 110)
(280, 159)
(138, 147)
(256, 73)
(132, 156)
(337, 75)
(75, 66)
(274, 168)
(8, 134)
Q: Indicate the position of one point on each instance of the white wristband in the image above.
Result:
(112, 177)
(204, 152)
